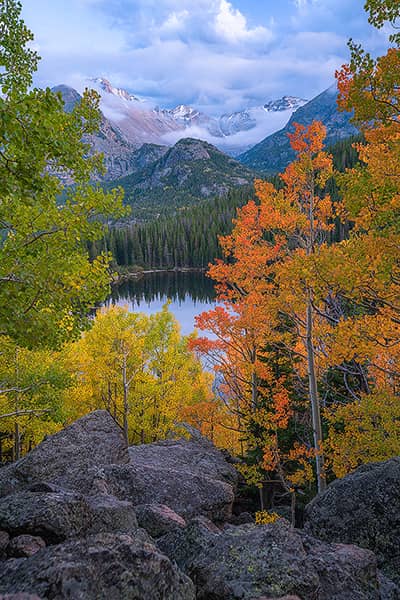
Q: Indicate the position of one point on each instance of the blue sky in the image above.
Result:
(218, 55)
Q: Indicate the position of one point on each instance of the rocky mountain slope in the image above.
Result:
(110, 140)
(274, 153)
(83, 517)
(165, 178)
(158, 177)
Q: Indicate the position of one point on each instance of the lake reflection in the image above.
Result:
(189, 293)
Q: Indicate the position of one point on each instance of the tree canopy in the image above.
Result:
(49, 207)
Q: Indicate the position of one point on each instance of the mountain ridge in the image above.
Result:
(274, 153)
(142, 122)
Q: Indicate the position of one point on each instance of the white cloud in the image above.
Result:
(175, 22)
(231, 25)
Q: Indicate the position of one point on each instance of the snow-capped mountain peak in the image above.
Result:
(184, 112)
(284, 103)
(106, 86)
(139, 121)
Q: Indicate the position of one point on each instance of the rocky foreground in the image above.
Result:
(83, 517)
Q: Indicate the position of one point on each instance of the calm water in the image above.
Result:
(189, 293)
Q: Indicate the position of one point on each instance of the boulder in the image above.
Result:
(281, 598)
(363, 508)
(250, 561)
(158, 519)
(100, 567)
(55, 516)
(107, 513)
(25, 545)
(190, 476)
(242, 518)
(195, 455)
(65, 457)
(188, 494)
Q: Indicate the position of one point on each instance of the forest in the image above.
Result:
(300, 378)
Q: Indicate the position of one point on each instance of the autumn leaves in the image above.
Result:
(308, 335)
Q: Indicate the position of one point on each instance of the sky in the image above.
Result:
(217, 55)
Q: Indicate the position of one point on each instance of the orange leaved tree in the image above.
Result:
(265, 285)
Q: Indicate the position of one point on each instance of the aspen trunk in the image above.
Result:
(314, 399)
(125, 386)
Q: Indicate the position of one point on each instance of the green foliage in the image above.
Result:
(31, 396)
(384, 11)
(47, 283)
(364, 431)
(17, 60)
(189, 238)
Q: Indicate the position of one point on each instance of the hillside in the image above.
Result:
(109, 140)
(274, 153)
(168, 178)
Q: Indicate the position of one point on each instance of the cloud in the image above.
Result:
(220, 55)
(267, 123)
(232, 26)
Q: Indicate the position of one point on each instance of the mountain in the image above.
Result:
(142, 123)
(117, 150)
(168, 178)
(158, 174)
(274, 153)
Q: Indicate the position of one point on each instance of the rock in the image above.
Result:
(65, 458)
(100, 567)
(388, 589)
(363, 508)
(241, 519)
(53, 516)
(249, 562)
(190, 476)
(187, 494)
(25, 545)
(158, 519)
(196, 455)
(56, 516)
(110, 514)
(281, 598)
(4, 540)
(18, 597)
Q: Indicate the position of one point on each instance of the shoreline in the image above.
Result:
(123, 277)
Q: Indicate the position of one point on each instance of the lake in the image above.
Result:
(190, 294)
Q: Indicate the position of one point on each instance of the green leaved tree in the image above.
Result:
(49, 208)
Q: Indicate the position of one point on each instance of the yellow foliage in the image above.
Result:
(363, 432)
(139, 368)
(265, 517)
